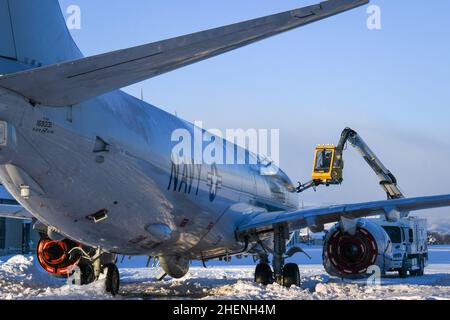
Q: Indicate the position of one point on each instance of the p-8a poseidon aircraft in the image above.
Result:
(94, 166)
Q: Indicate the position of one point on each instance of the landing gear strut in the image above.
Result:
(285, 275)
(279, 249)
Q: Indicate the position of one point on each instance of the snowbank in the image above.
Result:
(21, 277)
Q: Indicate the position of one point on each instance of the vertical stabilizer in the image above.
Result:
(34, 33)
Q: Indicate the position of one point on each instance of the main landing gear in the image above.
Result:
(284, 274)
(96, 266)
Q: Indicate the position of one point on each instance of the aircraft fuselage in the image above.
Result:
(113, 156)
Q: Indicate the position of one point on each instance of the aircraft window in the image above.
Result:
(266, 166)
(270, 170)
(394, 233)
(264, 161)
(411, 235)
(323, 161)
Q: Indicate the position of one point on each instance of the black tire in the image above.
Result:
(291, 275)
(87, 273)
(403, 272)
(112, 279)
(263, 274)
(421, 271)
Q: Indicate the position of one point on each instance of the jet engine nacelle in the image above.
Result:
(349, 254)
(175, 266)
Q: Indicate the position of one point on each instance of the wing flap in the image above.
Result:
(72, 82)
(316, 218)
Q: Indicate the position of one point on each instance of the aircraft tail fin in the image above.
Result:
(34, 33)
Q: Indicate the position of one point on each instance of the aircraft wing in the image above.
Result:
(14, 211)
(72, 82)
(316, 218)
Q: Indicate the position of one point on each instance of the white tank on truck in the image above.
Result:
(409, 244)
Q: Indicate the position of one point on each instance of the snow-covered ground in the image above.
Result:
(22, 278)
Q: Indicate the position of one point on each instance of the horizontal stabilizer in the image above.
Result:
(72, 82)
(316, 218)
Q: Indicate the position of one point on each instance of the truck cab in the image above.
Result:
(409, 244)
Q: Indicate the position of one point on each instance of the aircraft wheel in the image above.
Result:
(112, 279)
(87, 273)
(291, 275)
(263, 274)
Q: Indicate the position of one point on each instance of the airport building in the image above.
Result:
(16, 236)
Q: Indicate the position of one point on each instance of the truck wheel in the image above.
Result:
(421, 271)
(403, 271)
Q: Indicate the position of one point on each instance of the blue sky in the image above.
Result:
(392, 85)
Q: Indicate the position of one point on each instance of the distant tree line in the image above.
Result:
(438, 238)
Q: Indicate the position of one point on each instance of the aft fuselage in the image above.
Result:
(113, 155)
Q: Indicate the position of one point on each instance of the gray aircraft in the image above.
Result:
(95, 168)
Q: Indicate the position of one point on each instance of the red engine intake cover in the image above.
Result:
(352, 254)
(54, 257)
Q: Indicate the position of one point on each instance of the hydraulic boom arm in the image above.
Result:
(329, 165)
